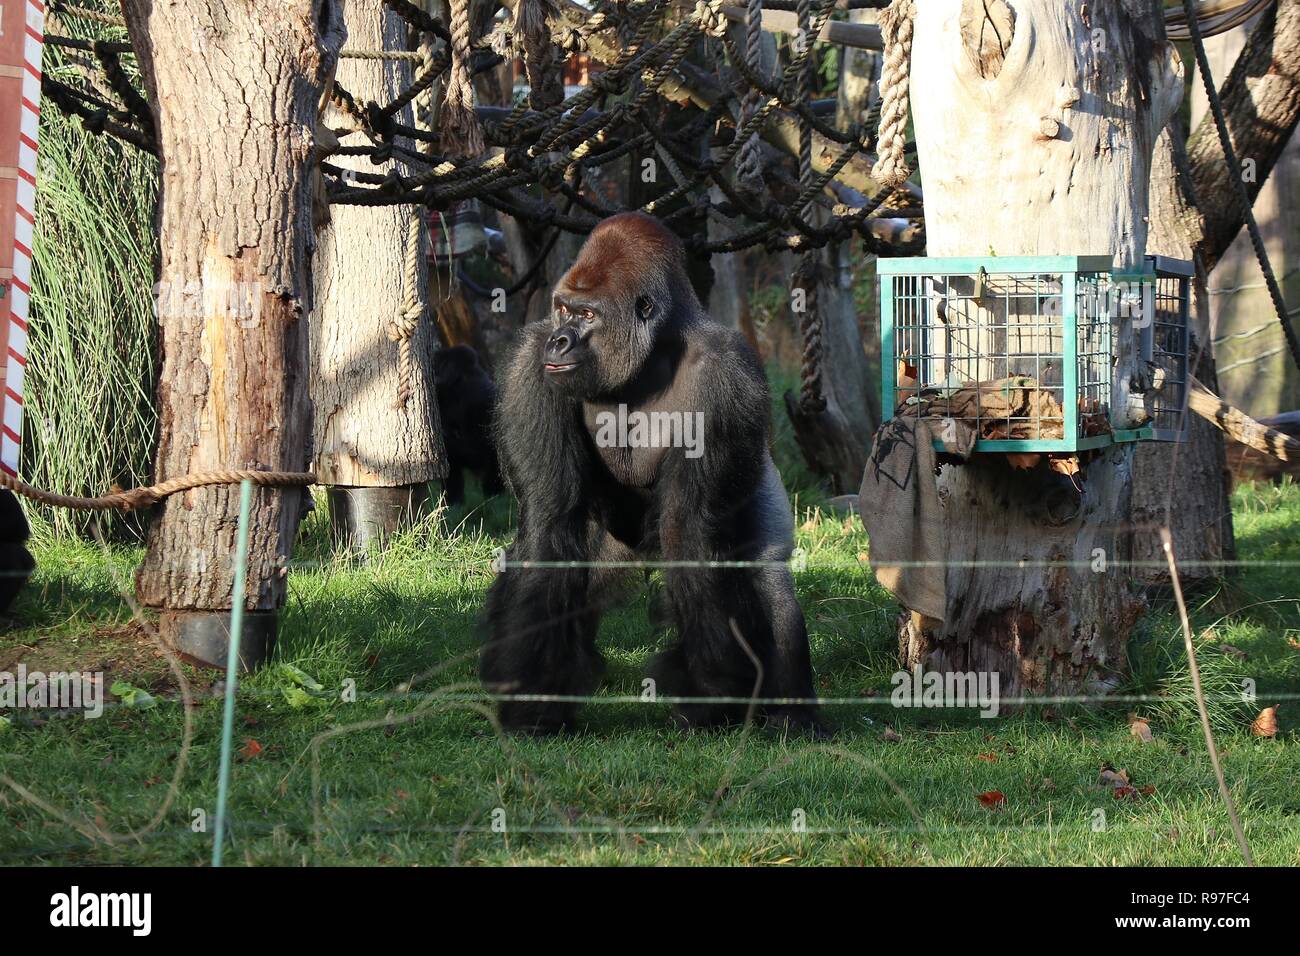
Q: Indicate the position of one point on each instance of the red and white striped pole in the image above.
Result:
(21, 40)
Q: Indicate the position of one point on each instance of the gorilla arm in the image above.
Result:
(542, 638)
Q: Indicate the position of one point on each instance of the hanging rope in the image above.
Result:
(805, 278)
(461, 133)
(545, 74)
(895, 79)
(403, 327)
(1239, 184)
(749, 164)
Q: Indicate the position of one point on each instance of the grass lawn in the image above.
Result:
(436, 786)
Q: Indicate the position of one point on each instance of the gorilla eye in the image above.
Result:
(588, 314)
(644, 307)
(562, 308)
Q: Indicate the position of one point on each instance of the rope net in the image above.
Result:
(502, 155)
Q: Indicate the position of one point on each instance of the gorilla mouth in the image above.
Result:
(552, 367)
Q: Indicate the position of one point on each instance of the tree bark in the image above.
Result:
(1194, 215)
(235, 91)
(835, 440)
(1184, 487)
(1037, 142)
(363, 435)
(1261, 101)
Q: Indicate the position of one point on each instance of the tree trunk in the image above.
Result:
(1184, 487)
(1036, 138)
(1259, 75)
(366, 435)
(235, 90)
(1194, 215)
(835, 441)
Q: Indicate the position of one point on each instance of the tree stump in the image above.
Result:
(1035, 137)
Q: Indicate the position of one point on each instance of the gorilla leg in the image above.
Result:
(735, 623)
(543, 634)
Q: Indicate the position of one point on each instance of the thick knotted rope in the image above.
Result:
(805, 278)
(895, 79)
(749, 164)
(545, 71)
(402, 328)
(461, 133)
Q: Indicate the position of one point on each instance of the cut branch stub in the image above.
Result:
(987, 27)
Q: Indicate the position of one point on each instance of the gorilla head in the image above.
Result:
(627, 287)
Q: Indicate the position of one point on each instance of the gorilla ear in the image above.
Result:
(645, 307)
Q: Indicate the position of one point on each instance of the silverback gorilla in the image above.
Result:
(628, 342)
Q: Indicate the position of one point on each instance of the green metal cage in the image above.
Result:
(1022, 349)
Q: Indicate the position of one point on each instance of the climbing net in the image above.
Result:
(499, 155)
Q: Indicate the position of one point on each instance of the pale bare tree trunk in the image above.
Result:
(235, 90)
(376, 450)
(1036, 138)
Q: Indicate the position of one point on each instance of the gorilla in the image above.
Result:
(16, 562)
(466, 395)
(633, 427)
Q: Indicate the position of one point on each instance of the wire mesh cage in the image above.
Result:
(1022, 349)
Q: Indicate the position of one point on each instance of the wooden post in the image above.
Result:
(376, 438)
(235, 91)
(1035, 134)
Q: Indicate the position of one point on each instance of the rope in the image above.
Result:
(137, 498)
(749, 164)
(548, 147)
(402, 328)
(545, 74)
(461, 134)
(804, 14)
(1239, 184)
(895, 79)
(806, 276)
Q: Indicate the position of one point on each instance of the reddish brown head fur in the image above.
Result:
(627, 252)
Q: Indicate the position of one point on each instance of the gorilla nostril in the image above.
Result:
(560, 344)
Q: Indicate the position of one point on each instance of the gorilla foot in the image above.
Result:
(797, 720)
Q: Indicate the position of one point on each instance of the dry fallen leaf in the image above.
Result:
(989, 757)
(1236, 652)
(992, 799)
(1114, 778)
(1294, 642)
(1141, 730)
(1064, 465)
(890, 736)
(250, 749)
(1265, 725)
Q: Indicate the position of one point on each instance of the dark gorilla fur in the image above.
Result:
(16, 563)
(628, 329)
(466, 395)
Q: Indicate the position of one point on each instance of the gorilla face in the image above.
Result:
(597, 346)
(610, 309)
